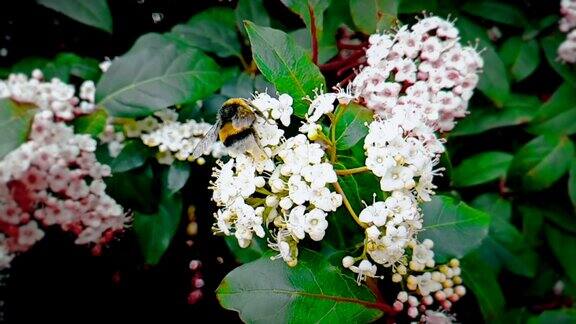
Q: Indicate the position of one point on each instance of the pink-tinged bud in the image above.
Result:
(398, 306)
(194, 296)
(412, 312)
(440, 296)
(195, 264)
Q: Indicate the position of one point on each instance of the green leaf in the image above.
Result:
(343, 230)
(563, 246)
(28, 64)
(417, 6)
(154, 74)
(371, 16)
(241, 86)
(155, 231)
(496, 11)
(550, 45)
(532, 220)
(520, 56)
(481, 168)
(493, 205)
(252, 10)
(517, 110)
(134, 189)
(504, 244)
(572, 182)
(557, 316)
(303, 7)
(254, 251)
(94, 13)
(62, 67)
(478, 276)
(557, 115)
(494, 79)
(92, 124)
(351, 125)
(455, 227)
(15, 122)
(212, 30)
(541, 162)
(336, 16)
(177, 175)
(553, 214)
(326, 50)
(268, 291)
(284, 64)
(133, 155)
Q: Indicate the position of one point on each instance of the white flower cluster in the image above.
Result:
(441, 284)
(567, 50)
(174, 139)
(289, 189)
(55, 95)
(402, 152)
(423, 69)
(55, 179)
(417, 82)
(113, 138)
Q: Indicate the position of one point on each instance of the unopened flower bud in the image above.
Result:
(272, 201)
(440, 295)
(454, 263)
(412, 312)
(396, 278)
(195, 264)
(460, 290)
(402, 296)
(401, 269)
(454, 298)
(347, 261)
(285, 203)
(427, 300)
(198, 283)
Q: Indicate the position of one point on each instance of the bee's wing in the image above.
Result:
(252, 146)
(243, 119)
(209, 138)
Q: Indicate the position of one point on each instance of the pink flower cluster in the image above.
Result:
(54, 179)
(567, 50)
(423, 68)
(55, 95)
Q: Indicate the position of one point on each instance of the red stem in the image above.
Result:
(314, 35)
(341, 45)
(336, 65)
(348, 66)
(347, 79)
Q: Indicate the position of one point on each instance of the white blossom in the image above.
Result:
(412, 66)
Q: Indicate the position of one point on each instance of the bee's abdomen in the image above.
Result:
(231, 139)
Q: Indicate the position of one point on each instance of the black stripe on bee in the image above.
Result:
(235, 138)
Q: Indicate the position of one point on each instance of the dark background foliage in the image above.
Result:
(59, 281)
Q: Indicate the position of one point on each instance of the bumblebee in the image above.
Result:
(235, 129)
